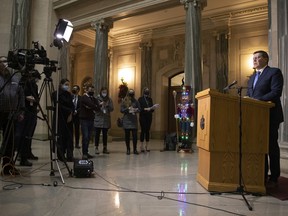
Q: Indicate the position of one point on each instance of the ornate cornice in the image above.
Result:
(225, 20)
(233, 18)
(208, 22)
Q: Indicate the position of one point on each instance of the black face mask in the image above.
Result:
(131, 95)
(146, 93)
(74, 91)
(90, 93)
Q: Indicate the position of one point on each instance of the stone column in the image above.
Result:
(146, 64)
(278, 55)
(64, 62)
(20, 24)
(193, 66)
(193, 52)
(102, 28)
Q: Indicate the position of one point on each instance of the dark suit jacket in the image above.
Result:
(77, 105)
(269, 88)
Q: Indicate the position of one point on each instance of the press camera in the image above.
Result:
(26, 59)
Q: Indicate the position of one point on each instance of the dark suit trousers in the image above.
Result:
(76, 123)
(274, 153)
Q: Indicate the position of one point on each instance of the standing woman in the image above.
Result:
(145, 118)
(130, 107)
(65, 125)
(102, 121)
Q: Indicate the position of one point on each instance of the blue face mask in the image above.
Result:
(65, 87)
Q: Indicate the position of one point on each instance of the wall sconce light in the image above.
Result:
(246, 67)
(127, 75)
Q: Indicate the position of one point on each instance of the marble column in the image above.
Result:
(146, 64)
(20, 24)
(101, 63)
(193, 66)
(278, 51)
(64, 61)
(193, 52)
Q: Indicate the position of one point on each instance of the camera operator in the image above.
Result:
(25, 129)
(11, 111)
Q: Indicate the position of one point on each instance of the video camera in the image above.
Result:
(25, 60)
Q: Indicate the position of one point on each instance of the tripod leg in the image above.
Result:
(56, 162)
(52, 173)
(247, 203)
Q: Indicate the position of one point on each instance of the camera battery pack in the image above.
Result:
(83, 168)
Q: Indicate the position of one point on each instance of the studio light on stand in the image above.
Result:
(62, 34)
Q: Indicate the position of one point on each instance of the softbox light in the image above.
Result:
(63, 30)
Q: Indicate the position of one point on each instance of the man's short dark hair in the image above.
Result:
(263, 54)
(76, 86)
(62, 81)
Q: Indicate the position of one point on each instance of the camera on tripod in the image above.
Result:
(51, 67)
(26, 59)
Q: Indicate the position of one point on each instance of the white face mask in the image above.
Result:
(65, 87)
(104, 94)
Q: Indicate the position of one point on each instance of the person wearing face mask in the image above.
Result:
(11, 111)
(76, 111)
(102, 121)
(145, 118)
(130, 107)
(88, 107)
(65, 126)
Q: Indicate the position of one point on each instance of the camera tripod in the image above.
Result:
(48, 86)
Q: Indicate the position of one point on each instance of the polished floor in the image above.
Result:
(155, 183)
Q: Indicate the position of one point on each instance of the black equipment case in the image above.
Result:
(83, 168)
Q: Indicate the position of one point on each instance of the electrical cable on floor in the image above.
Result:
(17, 185)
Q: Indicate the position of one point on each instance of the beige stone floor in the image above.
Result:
(155, 183)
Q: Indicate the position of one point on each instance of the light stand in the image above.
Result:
(62, 32)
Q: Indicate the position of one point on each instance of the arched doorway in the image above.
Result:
(175, 83)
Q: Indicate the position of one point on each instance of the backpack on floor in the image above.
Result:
(170, 142)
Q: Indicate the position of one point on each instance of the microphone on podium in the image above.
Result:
(230, 85)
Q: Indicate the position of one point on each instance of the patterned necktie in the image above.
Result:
(256, 78)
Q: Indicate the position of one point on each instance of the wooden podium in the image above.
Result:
(218, 141)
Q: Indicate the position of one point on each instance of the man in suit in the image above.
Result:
(76, 111)
(266, 84)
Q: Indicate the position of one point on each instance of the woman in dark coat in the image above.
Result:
(102, 121)
(145, 118)
(65, 125)
(130, 107)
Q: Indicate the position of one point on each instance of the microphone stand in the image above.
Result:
(240, 188)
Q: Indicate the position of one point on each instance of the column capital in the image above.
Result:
(102, 24)
(196, 3)
(147, 44)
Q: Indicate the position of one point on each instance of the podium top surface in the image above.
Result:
(216, 94)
